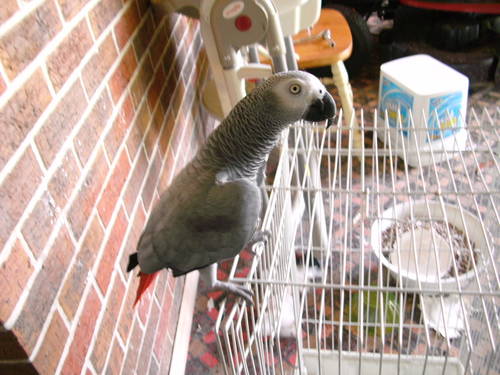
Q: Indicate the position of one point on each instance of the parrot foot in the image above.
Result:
(237, 289)
(259, 236)
(209, 276)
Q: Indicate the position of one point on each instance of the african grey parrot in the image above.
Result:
(211, 209)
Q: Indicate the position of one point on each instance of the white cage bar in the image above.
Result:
(406, 279)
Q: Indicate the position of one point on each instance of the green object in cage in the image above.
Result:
(376, 307)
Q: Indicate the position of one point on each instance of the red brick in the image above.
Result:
(166, 357)
(20, 114)
(105, 333)
(167, 173)
(43, 291)
(111, 249)
(167, 94)
(138, 222)
(168, 60)
(64, 179)
(159, 115)
(143, 6)
(188, 135)
(147, 344)
(70, 8)
(92, 129)
(26, 39)
(52, 347)
(38, 227)
(72, 290)
(161, 286)
(58, 126)
(116, 135)
(167, 132)
(180, 28)
(84, 330)
(151, 181)
(135, 182)
(161, 336)
(113, 188)
(133, 350)
(127, 314)
(193, 28)
(121, 77)
(7, 9)
(143, 37)
(14, 274)
(139, 128)
(158, 44)
(102, 15)
(141, 82)
(2, 86)
(153, 134)
(16, 191)
(99, 65)
(176, 137)
(156, 87)
(115, 360)
(126, 26)
(176, 306)
(154, 367)
(179, 95)
(144, 304)
(84, 203)
(68, 54)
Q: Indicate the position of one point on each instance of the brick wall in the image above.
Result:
(97, 99)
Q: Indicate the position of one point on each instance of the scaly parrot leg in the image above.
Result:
(209, 276)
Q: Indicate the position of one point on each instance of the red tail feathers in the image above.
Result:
(145, 280)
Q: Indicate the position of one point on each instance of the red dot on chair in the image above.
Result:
(243, 23)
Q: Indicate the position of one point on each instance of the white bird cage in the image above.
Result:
(377, 306)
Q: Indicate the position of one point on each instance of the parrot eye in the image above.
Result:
(295, 88)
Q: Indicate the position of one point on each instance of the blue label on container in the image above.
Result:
(395, 102)
(444, 116)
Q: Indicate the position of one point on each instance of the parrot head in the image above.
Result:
(301, 96)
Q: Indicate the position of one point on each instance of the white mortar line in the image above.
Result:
(27, 250)
(104, 304)
(19, 15)
(81, 178)
(60, 13)
(69, 140)
(39, 61)
(90, 282)
(49, 48)
(118, 338)
(64, 318)
(87, 365)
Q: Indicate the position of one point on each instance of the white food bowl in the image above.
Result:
(406, 270)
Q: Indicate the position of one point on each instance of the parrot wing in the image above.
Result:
(207, 227)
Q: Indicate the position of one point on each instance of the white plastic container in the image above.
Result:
(425, 103)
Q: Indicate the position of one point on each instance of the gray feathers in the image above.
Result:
(211, 209)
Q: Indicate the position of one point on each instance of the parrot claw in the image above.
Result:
(259, 236)
(239, 290)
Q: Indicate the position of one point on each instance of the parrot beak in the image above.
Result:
(322, 109)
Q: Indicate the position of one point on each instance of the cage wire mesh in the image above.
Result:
(375, 266)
